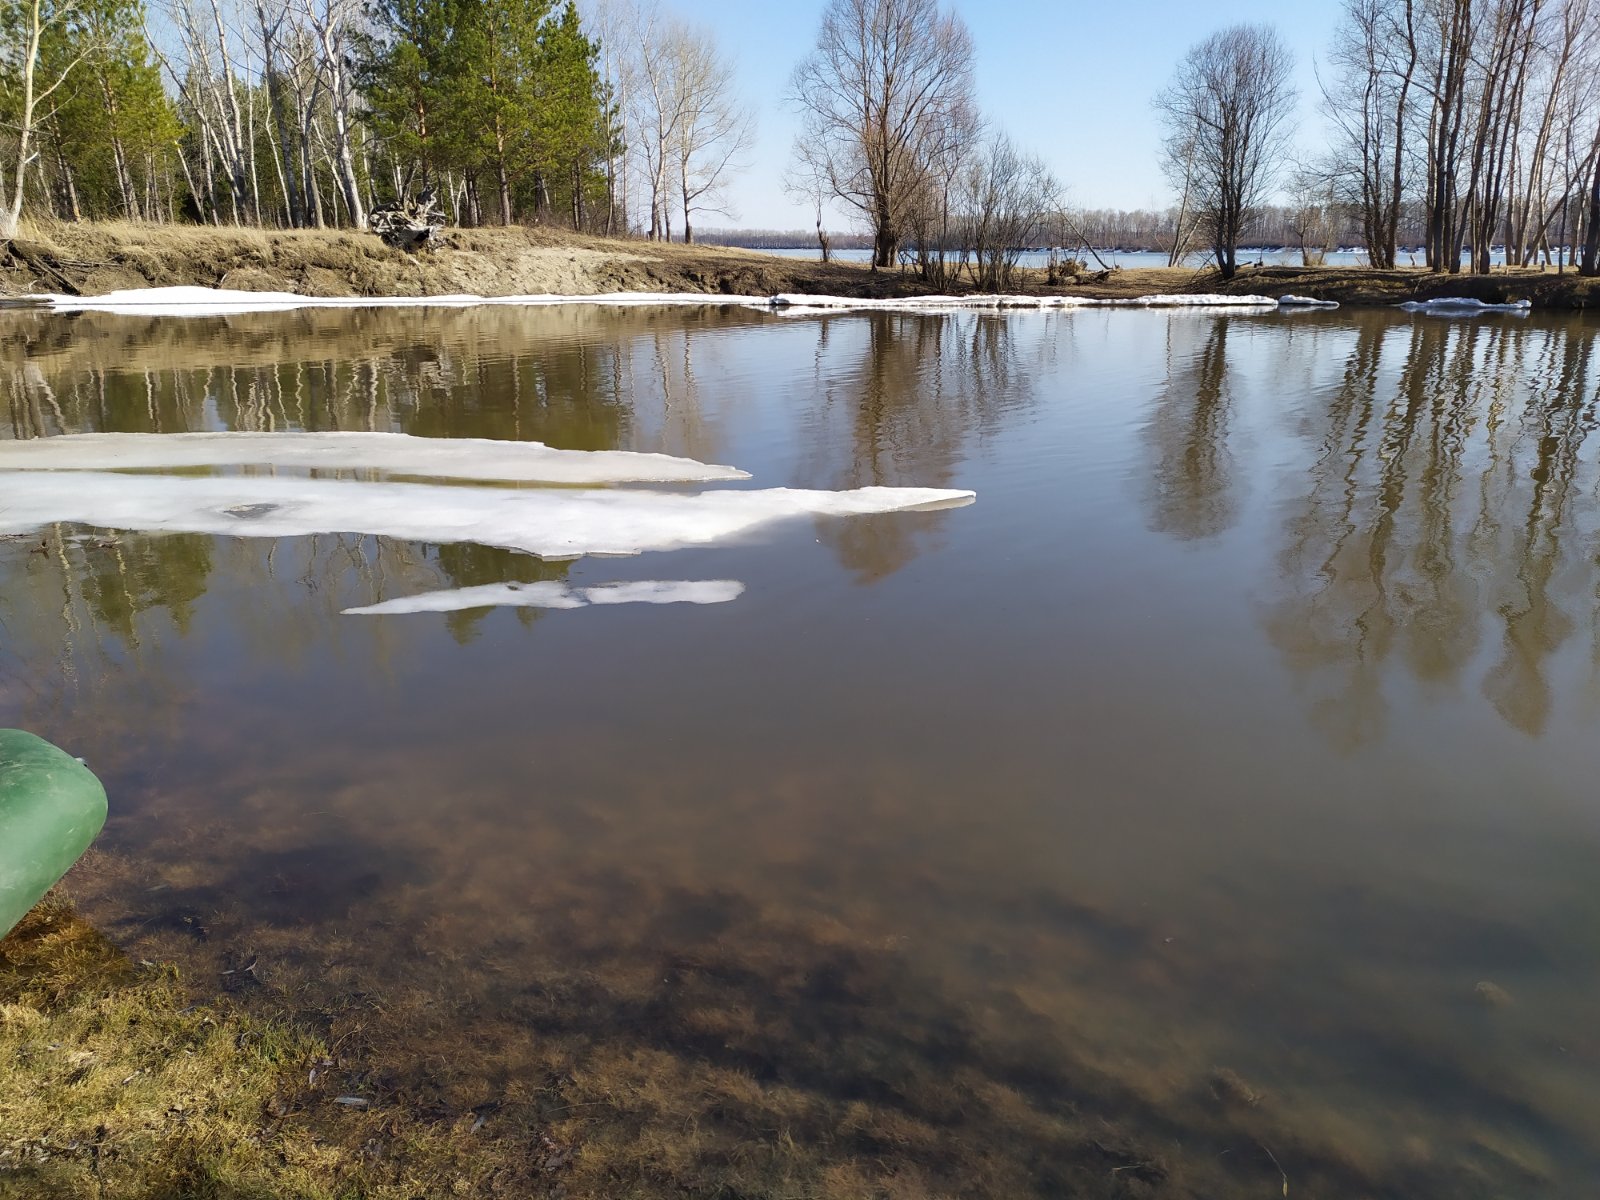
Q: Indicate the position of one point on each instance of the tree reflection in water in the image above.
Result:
(1192, 492)
(1445, 499)
(920, 393)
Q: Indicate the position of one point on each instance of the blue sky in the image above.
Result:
(1070, 80)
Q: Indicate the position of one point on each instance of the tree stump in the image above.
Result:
(407, 224)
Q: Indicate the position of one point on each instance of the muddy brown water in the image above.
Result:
(1211, 808)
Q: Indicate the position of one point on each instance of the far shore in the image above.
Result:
(95, 258)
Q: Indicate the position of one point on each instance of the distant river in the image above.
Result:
(1130, 259)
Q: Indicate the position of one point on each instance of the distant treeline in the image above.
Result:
(782, 239)
(1149, 230)
(1271, 225)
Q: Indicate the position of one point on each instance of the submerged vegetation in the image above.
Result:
(754, 1057)
(113, 1083)
(123, 1079)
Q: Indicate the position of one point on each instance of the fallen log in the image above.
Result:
(37, 258)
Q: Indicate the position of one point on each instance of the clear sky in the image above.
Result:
(1070, 80)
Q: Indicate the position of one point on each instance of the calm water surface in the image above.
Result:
(1214, 798)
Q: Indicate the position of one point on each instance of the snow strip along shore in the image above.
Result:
(550, 523)
(554, 594)
(394, 453)
(222, 302)
(799, 302)
(212, 302)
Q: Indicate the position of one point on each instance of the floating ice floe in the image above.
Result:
(396, 453)
(1305, 302)
(551, 523)
(212, 302)
(556, 594)
(1463, 306)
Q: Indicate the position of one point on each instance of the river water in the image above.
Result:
(1208, 809)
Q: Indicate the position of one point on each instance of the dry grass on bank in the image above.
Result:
(93, 258)
(114, 1084)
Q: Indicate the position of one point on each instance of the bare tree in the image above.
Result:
(1368, 101)
(655, 112)
(269, 29)
(36, 19)
(1314, 215)
(713, 128)
(211, 93)
(331, 21)
(800, 182)
(880, 97)
(611, 23)
(937, 208)
(1178, 165)
(1451, 32)
(1227, 110)
(1007, 199)
(1590, 262)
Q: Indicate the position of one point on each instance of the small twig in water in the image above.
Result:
(1275, 1163)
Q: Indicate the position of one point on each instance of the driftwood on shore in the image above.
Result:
(408, 224)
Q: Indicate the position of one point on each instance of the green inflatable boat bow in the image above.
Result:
(51, 808)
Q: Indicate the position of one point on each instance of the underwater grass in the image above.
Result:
(113, 1083)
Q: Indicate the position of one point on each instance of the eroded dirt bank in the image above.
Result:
(91, 259)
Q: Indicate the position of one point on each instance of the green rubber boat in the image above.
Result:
(51, 808)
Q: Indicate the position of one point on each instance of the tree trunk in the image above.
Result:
(505, 191)
(69, 187)
(292, 196)
(1591, 241)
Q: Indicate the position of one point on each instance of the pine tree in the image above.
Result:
(113, 126)
(406, 77)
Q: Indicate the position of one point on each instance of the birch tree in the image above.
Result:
(332, 23)
(713, 128)
(26, 23)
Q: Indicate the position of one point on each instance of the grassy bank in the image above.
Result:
(96, 258)
(116, 1082)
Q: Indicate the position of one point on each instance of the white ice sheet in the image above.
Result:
(211, 302)
(552, 523)
(198, 301)
(396, 453)
(555, 594)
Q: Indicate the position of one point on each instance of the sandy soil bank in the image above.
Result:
(92, 259)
